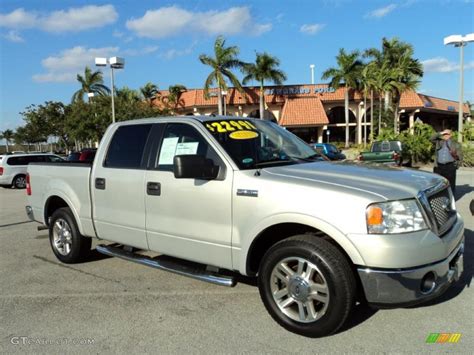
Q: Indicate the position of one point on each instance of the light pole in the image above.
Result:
(311, 66)
(115, 63)
(460, 41)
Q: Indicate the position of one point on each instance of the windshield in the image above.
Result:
(257, 143)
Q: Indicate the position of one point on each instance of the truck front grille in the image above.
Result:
(442, 211)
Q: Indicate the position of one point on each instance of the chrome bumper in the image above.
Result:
(405, 286)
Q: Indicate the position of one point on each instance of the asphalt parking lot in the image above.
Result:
(110, 305)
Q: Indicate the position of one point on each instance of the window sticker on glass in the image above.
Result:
(187, 148)
(168, 149)
(230, 126)
(243, 135)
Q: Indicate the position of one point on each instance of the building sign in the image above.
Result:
(298, 90)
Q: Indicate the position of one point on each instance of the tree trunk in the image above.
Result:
(219, 98)
(346, 115)
(387, 101)
(395, 118)
(262, 106)
(380, 114)
(372, 115)
(6, 144)
(365, 118)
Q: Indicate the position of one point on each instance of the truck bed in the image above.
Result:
(69, 181)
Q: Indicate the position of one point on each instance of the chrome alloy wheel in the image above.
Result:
(20, 182)
(62, 237)
(299, 289)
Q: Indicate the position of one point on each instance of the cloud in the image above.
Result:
(173, 20)
(13, 36)
(70, 20)
(443, 65)
(18, 19)
(139, 52)
(68, 63)
(174, 53)
(381, 12)
(312, 29)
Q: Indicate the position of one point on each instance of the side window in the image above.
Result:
(54, 159)
(37, 159)
(127, 146)
(182, 139)
(17, 161)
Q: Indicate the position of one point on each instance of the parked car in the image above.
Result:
(383, 152)
(329, 150)
(87, 155)
(219, 195)
(13, 167)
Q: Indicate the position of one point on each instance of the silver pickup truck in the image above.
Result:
(217, 196)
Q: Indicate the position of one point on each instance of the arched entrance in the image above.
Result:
(337, 125)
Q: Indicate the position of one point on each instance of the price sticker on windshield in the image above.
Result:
(237, 129)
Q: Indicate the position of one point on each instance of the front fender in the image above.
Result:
(311, 221)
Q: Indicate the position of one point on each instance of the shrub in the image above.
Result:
(418, 146)
(468, 155)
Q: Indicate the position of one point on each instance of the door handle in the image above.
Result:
(100, 184)
(153, 188)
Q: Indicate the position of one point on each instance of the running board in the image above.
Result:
(163, 262)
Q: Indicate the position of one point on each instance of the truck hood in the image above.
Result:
(380, 181)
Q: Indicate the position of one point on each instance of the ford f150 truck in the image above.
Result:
(216, 196)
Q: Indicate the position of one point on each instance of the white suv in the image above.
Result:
(13, 167)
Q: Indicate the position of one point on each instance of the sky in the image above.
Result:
(45, 44)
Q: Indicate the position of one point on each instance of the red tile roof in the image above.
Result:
(411, 99)
(303, 111)
(279, 95)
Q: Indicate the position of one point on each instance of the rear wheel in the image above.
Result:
(67, 243)
(307, 285)
(19, 182)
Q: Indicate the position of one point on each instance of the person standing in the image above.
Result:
(448, 156)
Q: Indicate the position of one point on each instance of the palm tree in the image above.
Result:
(127, 95)
(345, 75)
(174, 94)
(149, 91)
(8, 135)
(91, 82)
(264, 68)
(399, 55)
(225, 59)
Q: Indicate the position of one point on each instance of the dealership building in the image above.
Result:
(316, 112)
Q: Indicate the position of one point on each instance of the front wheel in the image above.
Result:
(67, 243)
(307, 285)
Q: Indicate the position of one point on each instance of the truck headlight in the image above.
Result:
(394, 217)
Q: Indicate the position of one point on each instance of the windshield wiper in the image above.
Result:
(313, 157)
(275, 161)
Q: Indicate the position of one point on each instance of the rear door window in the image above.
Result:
(127, 146)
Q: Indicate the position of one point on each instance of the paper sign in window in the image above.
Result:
(168, 149)
(187, 148)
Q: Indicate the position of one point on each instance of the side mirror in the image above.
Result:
(194, 167)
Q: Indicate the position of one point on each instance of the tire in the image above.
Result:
(67, 243)
(313, 305)
(19, 182)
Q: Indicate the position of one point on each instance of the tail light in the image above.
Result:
(1, 171)
(28, 185)
(360, 157)
(395, 156)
